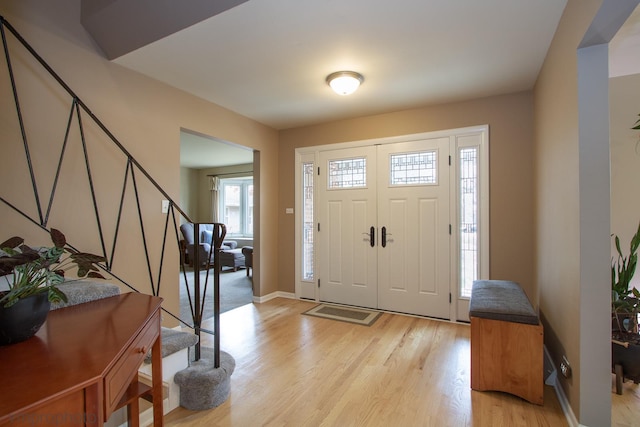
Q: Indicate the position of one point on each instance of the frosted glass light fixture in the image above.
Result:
(344, 82)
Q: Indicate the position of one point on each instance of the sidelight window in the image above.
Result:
(468, 214)
(307, 221)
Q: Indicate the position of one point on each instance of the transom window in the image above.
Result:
(414, 168)
(348, 173)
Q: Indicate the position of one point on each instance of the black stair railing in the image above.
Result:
(78, 110)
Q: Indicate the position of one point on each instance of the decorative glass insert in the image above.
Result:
(414, 168)
(468, 219)
(348, 173)
(307, 221)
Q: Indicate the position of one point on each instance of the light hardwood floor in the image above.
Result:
(297, 370)
(625, 408)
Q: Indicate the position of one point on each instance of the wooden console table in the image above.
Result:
(82, 365)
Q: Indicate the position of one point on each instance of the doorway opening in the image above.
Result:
(216, 185)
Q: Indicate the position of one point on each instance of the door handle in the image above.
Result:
(372, 236)
(384, 237)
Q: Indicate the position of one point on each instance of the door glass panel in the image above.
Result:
(347, 173)
(468, 219)
(307, 221)
(414, 168)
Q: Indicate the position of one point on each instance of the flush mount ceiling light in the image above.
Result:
(344, 82)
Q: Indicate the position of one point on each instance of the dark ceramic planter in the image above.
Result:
(22, 320)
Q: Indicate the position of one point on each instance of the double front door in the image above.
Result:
(384, 227)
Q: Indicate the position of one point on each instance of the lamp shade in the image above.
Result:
(344, 82)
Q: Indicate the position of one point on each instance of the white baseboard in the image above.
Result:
(566, 407)
(552, 380)
(277, 294)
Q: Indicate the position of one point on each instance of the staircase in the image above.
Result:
(123, 215)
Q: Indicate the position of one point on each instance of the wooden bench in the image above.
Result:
(506, 341)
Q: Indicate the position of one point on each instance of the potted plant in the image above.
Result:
(32, 277)
(625, 305)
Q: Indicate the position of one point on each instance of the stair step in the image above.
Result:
(81, 291)
(173, 341)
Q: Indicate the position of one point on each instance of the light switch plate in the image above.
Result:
(165, 206)
(288, 210)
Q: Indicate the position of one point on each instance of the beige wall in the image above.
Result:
(575, 310)
(189, 191)
(145, 115)
(557, 197)
(511, 172)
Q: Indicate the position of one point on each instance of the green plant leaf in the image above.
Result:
(56, 295)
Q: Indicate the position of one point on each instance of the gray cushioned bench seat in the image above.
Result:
(501, 300)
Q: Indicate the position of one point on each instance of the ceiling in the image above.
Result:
(268, 59)
(199, 152)
(624, 47)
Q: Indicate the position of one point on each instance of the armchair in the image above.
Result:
(205, 241)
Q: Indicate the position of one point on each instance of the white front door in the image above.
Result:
(413, 218)
(384, 227)
(347, 213)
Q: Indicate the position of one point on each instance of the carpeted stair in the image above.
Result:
(81, 291)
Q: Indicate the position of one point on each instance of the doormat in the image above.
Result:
(359, 316)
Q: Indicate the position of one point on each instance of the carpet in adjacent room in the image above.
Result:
(235, 291)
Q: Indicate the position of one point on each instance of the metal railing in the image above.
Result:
(133, 172)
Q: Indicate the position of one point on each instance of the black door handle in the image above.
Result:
(372, 236)
(384, 237)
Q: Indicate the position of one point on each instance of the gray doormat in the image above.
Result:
(359, 316)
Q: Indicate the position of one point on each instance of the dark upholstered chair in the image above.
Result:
(247, 251)
(205, 240)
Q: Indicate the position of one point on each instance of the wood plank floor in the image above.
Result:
(297, 370)
(625, 408)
